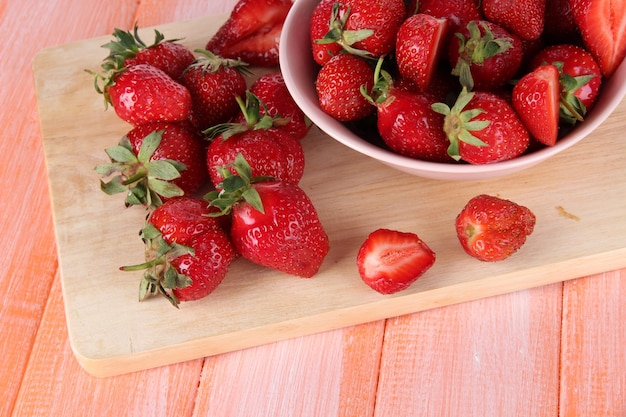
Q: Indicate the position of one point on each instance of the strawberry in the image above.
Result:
(270, 89)
(269, 150)
(252, 32)
(153, 162)
(406, 121)
(483, 128)
(129, 49)
(492, 229)
(602, 24)
(180, 219)
(458, 12)
(338, 85)
(274, 223)
(419, 43)
(360, 27)
(390, 261)
(214, 83)
(580, 78)
(143, 94)
(326, 30)
(484, 55)
(183, 273)
(525, 18)
(536, 99)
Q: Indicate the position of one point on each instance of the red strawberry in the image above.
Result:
(484, 55)
(492, 229)
(602, 24)
(525, 18)
(361, 27)
(270, 151)
(183, 273)
(214, 84)
(129, 49)
(338, 87)
(483, 128)
(155, 161)
(580, 78)
(458, 12)
(329, 16)
(252, 32)
(406, 121)
(419, 43)
(180, 219)
(390, 261)
(278, 102)
(274, 223)
(536, 99)
(143, 94)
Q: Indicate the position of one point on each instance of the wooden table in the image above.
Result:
(556, 350)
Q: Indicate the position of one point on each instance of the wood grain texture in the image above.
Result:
(593, 354)
(493, 357)
(28, 255)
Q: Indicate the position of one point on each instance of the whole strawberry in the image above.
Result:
(484, 55)
(329, 16)
(419, 44)
(154, 162)
(270, 89)
(406, 121)
(338, 87)
(483, 128)
(274, 223)
(270, 151)
(214, 84)
(390, 261)
(492, 229)
(252, 32)
(129, 49)
(458, 12)
(525, 18)
(143, 94)
(183, 272)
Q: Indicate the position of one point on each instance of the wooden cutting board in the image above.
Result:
(578, 198)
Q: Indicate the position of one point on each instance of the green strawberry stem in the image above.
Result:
(160, 277)
(475, 50)
(346, 38)
(144, 181)
(236, 188)
(459, 123)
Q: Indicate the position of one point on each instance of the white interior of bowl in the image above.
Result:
(299, 72)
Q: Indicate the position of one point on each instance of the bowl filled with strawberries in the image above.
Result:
(460, 90)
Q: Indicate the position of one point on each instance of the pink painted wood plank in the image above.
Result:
(593, 358)
(494, 357)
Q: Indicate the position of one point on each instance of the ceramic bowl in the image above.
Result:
(299, 71)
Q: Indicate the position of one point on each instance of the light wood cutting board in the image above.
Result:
(578, 198)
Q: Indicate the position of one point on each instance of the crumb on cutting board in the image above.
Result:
(567, 214)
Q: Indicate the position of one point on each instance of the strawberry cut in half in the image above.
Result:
(390, 261)
(536, 99)
(252, 32)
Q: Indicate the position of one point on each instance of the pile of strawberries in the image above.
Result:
(214, 156)
(465, 80)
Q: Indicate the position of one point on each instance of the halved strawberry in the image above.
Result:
(602, 24)
(536, 99)
(492, 229)
(390, 261)
(252, 32)
(419, 43)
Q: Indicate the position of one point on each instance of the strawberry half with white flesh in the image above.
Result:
(390, 261)
(252, 32)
